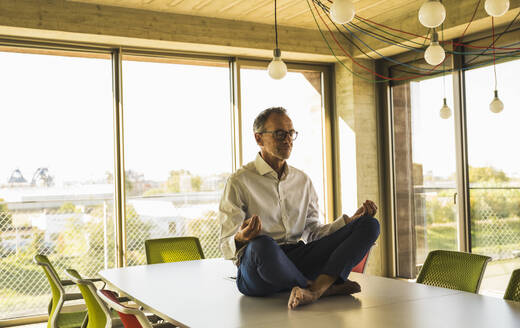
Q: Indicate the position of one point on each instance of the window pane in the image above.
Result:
(425, 168)
(57, 147)
(300, 94)
(494, 171)
(177, 151)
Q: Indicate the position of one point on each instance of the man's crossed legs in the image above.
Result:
(319, 268)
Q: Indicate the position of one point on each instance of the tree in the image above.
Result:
(196, 183)
(173, 185)
(133, 181)
(487, 174)
(67, 208)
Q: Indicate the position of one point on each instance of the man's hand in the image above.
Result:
(368, 208)
(371, 207)
(249, 229)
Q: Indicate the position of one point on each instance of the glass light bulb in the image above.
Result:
(342, 11)
(496, 8)
(445, 110)
(432, 13)
(277, 68)
(434, 54)
(496, 105)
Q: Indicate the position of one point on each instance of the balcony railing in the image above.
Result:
(494, 218)
(79, 233)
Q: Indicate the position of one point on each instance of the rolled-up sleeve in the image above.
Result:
(314, 229)
(232, 212)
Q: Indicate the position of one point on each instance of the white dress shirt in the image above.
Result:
(287, 207)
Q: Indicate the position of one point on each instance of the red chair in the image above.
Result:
(361, 266)
(130, 317)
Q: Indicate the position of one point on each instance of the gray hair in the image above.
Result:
(258, 125)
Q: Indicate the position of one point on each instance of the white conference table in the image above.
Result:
(201, 294)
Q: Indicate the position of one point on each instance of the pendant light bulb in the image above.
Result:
(342, 11)
(434, 54)
(445, 110)
(277, 68)
(496, 8)
(432, 13)
(496, 106)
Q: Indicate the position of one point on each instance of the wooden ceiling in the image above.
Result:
(289, 12)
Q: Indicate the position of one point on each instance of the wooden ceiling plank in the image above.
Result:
(303, 11)
(281, 9)
(258, 5)
(458, 14)
(120, 26)
(174, 3)
(229, 6)
(201, 4)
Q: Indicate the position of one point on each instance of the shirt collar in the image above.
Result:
(264, 168)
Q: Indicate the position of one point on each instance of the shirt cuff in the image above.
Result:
(337, 224)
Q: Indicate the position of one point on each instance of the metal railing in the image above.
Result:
(495, 220)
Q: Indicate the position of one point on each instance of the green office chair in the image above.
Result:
(57, 318)
(99, 316)
(454, 270)
(513, 288)
(174, 249)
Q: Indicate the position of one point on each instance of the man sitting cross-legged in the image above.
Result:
(270, 224)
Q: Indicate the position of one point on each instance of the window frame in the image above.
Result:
(458, 65)
(331, 171)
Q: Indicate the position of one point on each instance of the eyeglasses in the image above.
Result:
(282, 134)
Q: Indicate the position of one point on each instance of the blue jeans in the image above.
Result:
(267, 267)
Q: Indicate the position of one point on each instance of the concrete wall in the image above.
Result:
(356, 108)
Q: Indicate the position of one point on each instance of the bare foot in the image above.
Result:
(300, 296)
(346, 288)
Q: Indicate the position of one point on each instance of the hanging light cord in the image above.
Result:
(471, 20)
(275, 25)
(493, 45)
(443, 66)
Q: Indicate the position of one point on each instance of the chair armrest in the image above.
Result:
(95, 279)
(72, 296)
(124, 299)
(70, 282)
(67, 282)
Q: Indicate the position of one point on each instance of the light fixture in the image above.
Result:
(432, 13)
(434, 54)
(496, 8)
(496, 105)
(276, 68)
(445, 110)
(342, 11)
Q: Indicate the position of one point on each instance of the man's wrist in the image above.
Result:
(347, 219)
(239, 243)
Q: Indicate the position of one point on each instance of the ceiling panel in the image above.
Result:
(289, 12)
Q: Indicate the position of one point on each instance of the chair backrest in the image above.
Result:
(454, 270)
(513, 288)
(130, 317)
(98, 312)
(174, 249)
(361, 266)
(57, 289)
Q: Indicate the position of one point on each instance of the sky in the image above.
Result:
(57, 112)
